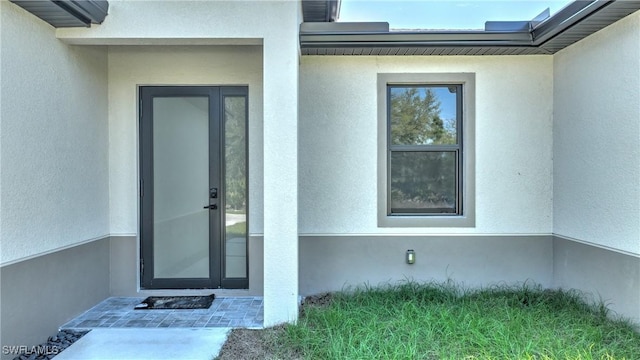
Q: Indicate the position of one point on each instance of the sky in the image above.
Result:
(447, 101)
(444, 14)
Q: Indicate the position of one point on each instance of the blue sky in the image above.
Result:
(444, 14)
(447, 101)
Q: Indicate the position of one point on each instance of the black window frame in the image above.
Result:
(457, 149)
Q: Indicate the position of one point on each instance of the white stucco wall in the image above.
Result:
(597, 138)
(272, 24)
(130, 66)
(338, 142)
(54, 139)
(182, 22)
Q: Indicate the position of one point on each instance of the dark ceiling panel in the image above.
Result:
(67, 13)
(320, 10)
(598, 21)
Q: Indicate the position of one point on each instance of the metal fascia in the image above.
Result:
(422, 38)
(368, 35)
(67, 13)
(333, 10)
(566, 18)
(88, 11)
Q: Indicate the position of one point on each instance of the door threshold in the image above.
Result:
(197, 292)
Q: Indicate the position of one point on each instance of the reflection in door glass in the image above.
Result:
(181, 185)
(235, 187)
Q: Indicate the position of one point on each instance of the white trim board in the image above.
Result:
(604, 247)
(33, 256)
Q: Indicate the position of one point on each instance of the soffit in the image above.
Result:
(604, 17)
(320, 10)
(579, 20)
(67, 13)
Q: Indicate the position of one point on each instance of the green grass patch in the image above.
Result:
(433, 321)
(237, 230)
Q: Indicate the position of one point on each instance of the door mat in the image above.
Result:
(176, 302)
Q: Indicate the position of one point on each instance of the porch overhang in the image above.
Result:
(320, 10)
(538, 36)
(67, 13)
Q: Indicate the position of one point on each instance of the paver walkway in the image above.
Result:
(120, 332)
(118, 312)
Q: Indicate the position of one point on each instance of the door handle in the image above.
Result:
(211, 207)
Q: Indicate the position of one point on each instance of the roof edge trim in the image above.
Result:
(67, 13)
(565, 18)
(542, 35)
(321, 10)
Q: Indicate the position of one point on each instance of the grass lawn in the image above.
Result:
(413, 321)
(237, 230)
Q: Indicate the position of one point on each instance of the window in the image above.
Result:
(426, 156)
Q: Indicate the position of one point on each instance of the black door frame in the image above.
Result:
(216, 95)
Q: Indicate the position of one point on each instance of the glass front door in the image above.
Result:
(193, 187)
